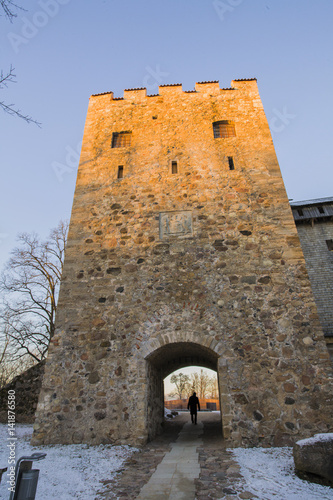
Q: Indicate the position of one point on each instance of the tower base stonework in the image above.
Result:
(182, 250)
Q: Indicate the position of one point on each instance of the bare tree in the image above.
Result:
(213, 388)
(181, 382)
(200, 383)
(30, 284)
(10, 11)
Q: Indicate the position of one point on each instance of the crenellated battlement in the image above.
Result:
(172, 89)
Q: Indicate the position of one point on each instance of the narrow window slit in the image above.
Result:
(174, 167)
(120, 172)
(231, 163)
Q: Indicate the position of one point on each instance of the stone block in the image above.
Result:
(315, 455)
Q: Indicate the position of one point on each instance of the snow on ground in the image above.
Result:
(269, 474)
(76, 471)
(67, 472)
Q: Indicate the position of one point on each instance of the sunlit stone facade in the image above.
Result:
(182, 250)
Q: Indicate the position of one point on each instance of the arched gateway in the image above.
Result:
(182, 249)
(165, 360)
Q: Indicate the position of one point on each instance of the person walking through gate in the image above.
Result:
(193, 402)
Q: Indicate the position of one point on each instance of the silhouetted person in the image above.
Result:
(193, 402)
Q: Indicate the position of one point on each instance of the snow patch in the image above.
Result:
(269, 473)
(68, 471)
(168, 413)
(317, 438)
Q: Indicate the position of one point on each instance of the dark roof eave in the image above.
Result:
(318, 201)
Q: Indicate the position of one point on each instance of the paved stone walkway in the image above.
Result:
(174, 476)
(186, 461)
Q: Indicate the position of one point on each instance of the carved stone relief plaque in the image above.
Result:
(175, 224)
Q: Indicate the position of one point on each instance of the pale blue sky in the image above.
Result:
(65, 50)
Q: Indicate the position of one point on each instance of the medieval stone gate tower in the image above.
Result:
(182, 250)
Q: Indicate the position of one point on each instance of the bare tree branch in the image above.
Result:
(5, 79)
(9, 108)
(11, 364)
(9, 7)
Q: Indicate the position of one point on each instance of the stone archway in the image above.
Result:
(165, 360)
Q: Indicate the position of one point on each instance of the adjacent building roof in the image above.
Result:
(316, 210)
(318, 201)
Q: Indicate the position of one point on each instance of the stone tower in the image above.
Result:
(182, 250)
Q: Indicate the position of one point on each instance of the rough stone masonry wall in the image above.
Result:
(160, 267)
(319, 263)
(27, 386)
